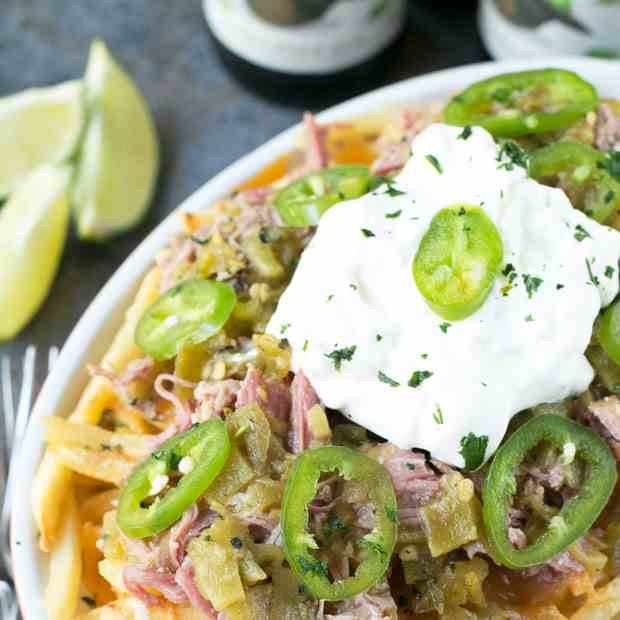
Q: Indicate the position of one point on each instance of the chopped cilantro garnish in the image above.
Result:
(559, 287)
(473, 450)
(444, 327)
(379, 337)
(329, 298)
(438, 415)
(394, 215)
(353, 286)
(391, 191)
(581, 233)
(434, 162)
(284, 327)
(314, 567)
(341, 355)
(367, 233)
(462, 211)
(201, 241)
(465, 133)
(531, 283)
(609, 271)
(424, 356)
(508, 269)
(305, 347)
(529, 318)
(385, 379)
(418, 377)
(516, 155)
(611, 164)
(591, 277)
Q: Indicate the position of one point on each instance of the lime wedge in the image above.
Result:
(33, 227)
(119, 157)
(38, 127)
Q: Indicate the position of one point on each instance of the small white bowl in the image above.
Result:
(95, 330)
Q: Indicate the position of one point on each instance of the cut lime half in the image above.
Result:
(119, 157)
(38, 127)
(33, 227)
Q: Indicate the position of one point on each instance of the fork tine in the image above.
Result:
(52, 356)
(25, 399)
(8, 406)
(23, 413)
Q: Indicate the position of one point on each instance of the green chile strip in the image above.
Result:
(578, 513)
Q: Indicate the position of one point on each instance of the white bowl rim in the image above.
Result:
(93, 331)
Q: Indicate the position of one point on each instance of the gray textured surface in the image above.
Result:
(206, 119)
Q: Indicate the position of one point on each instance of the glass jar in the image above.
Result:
(305, 37)
(534, 28)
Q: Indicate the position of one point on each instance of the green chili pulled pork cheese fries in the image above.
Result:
(380, 380)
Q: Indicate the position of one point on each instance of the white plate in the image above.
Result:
(95, 330)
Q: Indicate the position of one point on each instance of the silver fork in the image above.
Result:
(15, 424)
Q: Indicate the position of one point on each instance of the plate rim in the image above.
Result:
(93, 331)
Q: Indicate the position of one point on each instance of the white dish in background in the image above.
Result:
(95, 330)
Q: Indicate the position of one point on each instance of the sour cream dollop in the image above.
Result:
(353, 292)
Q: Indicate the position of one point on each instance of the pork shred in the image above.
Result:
(377, 604)
(606, 129)
(415, 480)
(183, 412)
(138, 369)
(214, 397)
(185, 580)
(138, 578)
(271, 396)
(395, 141)
(604, 418)
(316, 151)
(303, 398)
(188, 527)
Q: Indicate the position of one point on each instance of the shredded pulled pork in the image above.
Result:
(604, 417)
(606, 129)
(555, 569)
(138, 369)
(213, 397)
(272, 396)
(138, 578)
(303, 398)
(185, 580)
(378, 604)
(316, 152)
(415, 479)
(395, 141)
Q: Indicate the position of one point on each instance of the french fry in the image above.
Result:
(97, 505)
(109, 466)
(130, 420)
(61, 431)
(94, 583)
(53, 477)
(65, 566)
(602, 605)
(112, 571)
(130, 608)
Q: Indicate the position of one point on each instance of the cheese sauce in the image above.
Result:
(371, 346)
